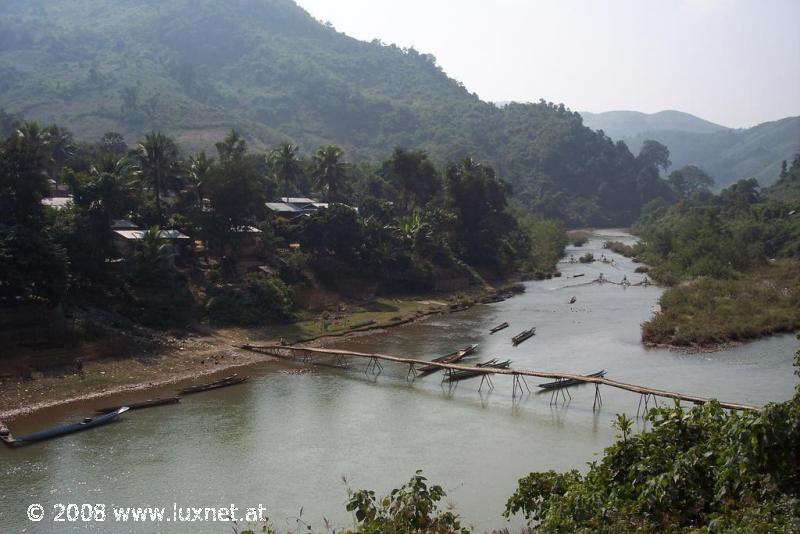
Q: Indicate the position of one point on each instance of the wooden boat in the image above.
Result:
(522, 336)
(69, 428)
(557, 384)
(494, 363)
(225, 382)
(573, 300)
(453, 357)
(143, 404)
(499, 327)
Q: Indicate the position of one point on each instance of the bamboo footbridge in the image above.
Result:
(374, 360)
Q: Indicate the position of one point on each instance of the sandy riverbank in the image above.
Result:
(189, 359)
(186, 359)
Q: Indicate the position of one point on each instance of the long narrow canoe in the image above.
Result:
(455, 376)
(570, 381)
(69, 428)
(499, 327)
(453, 357)
(522, 336)
(225, 382)
(143, 404)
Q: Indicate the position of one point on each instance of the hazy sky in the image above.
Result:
(735, 62)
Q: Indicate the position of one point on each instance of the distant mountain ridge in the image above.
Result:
(727, 154)
(624, 124)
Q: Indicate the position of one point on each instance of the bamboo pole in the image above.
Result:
(290, 351)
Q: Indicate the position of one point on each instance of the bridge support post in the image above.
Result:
(598, 399)
(412, 372)
(519, 380)
(646, 397)
(487, 378)
(374, 365)
(563, 392)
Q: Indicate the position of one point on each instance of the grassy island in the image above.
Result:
(732, 261)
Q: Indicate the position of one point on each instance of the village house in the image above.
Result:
(293, 207)
(125, 238)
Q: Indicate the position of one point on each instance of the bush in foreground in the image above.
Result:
(699, 470)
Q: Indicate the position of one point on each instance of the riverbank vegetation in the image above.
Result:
(701, 470)
(620, 248)
(165, 239)
(709, 311)
(732, 259)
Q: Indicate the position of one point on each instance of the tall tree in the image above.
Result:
(286, 167)
(330, 173)
(61, 147)
(690, 179)
(478, 200)
(654, 154)
(417, 177)
(32, 265)
(23, 181)
(158, 166)
(235, 189)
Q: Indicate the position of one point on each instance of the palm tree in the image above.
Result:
(285, 166)
(31, 138)
(330, 173)
(60, 144)
(158, 165)
(199, 169)
(114, 179)
(154, 258)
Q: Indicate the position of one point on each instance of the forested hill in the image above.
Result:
(732, 155)
(197, 68)
(729, 155)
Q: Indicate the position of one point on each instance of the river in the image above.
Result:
(287, 439)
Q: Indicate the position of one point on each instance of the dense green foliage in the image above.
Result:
(259, 300)
(787, 189)
(699, 470)
(411, 508)
(548, 241)
(717, 235)
(33, 265)
(450, 229)
(735, 257)
(196, 69)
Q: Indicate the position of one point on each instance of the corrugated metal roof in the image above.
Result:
(298, 200)
(139, 234)
(57, 202)
(281, 207)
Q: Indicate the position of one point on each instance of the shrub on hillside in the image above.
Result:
(261, 299)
